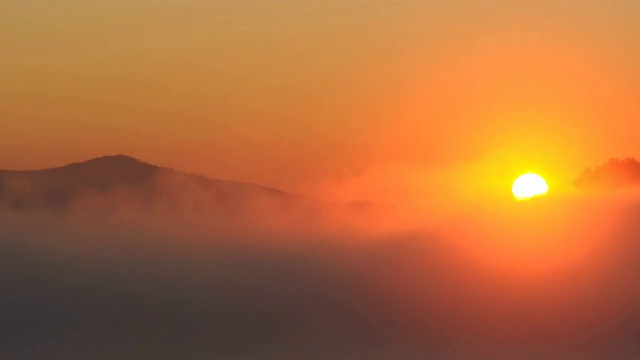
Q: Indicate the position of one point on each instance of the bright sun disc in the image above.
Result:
(529, 186)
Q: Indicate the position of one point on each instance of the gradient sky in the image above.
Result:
(380, 98)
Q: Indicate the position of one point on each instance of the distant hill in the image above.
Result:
(615, 173)
(116, 182)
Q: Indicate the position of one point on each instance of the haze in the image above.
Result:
(314, 96)
(327, 179)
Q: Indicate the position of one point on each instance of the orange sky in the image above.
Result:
(382, 99)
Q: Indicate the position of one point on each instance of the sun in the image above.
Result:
(529, 186)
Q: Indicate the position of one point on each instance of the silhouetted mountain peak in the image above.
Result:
(120, 158)
(113, 161)
(123, 177)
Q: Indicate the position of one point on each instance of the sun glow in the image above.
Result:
(529, 186)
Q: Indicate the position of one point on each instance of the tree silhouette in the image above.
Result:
(615, 173)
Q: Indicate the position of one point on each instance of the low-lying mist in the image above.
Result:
(554, 278)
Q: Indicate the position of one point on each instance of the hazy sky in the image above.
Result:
(351, 97)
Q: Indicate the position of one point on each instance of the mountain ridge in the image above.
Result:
(122, 158)
(60, 187)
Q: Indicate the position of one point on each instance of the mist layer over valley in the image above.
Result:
(130, 261)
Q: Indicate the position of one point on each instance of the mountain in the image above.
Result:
(117, 182)
(614, 174)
